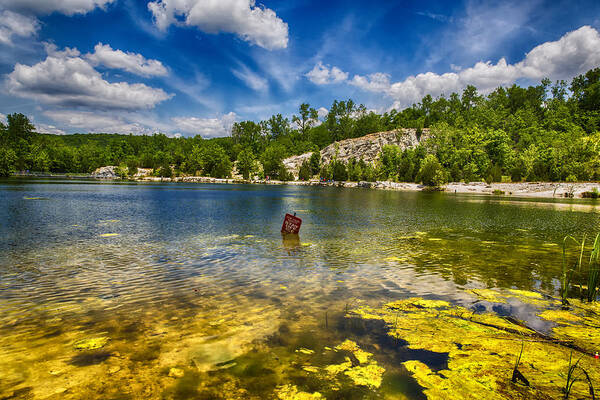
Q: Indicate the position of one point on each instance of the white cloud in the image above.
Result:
(130, 62)
(207, 127)
(3, 118)
(68, 7)
(49, 129)
(254, 24)
(13, 24)
(322, 112)
(87, 121)
(250, 78)
(323, 74)
(66, 79)
(573, 54)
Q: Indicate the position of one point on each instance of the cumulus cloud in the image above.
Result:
(66, 79)
(324, 74)
(574, 53)
(87, 121)
(13, 24)
(254, 24)
(130, 62)
(250, 78)
(68, 7)
(207, 127)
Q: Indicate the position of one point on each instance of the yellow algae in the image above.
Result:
(248, 236)
(176, 372)
(304, 350)
(488, 295)
(361, 355)
(307, 244)
(559, 315)
(310, 368)
(340, 281)
(395, 259)
(369, 375)
(481, 350)
(435, 239)
(334, 369)
(109, 234)
(283, 287)
(291, 392)
(33, 198)
(91, 343)
(526, 293)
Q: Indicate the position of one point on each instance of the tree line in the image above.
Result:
(548, 132)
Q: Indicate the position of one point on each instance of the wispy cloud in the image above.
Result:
(250, 78)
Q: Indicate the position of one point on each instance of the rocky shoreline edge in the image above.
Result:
(520, 189)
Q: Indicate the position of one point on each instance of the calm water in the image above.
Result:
(197, 295)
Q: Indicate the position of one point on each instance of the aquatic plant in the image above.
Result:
(567, 273)
(593, 272)
(571, 378)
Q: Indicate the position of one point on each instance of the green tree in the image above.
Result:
(245, 162)
(272, 160)
(305, 171)
(7, 161)
(307, 117)
(315, 162)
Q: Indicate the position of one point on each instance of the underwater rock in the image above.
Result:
(91, 343)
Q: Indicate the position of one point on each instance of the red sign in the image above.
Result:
(291, 224)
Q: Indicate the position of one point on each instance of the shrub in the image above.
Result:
(339, 171)
(498, 192)
(431, 172)
(594, 194)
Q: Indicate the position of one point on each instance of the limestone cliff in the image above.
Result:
(365, 147)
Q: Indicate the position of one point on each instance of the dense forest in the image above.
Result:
(548, 132)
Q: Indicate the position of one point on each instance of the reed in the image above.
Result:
(594, 271)
(572, 378)
(567, 273)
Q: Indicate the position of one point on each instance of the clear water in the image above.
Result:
(198, 278)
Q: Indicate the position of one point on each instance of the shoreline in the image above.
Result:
(545, 190)
(520, 189)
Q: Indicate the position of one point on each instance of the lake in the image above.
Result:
(125, 290)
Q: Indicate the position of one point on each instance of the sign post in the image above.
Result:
(291, 224)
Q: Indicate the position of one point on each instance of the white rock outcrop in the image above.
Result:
(108, 172)
(365, 147)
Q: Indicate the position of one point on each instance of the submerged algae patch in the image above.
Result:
(482, 350)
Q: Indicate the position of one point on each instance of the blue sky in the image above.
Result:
(196, 66)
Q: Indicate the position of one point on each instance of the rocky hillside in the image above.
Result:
(366, 147)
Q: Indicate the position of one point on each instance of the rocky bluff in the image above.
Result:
(366, 147)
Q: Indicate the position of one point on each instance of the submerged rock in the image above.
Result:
(91, 343)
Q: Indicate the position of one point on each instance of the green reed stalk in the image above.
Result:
(594, 271)
(571, 378)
